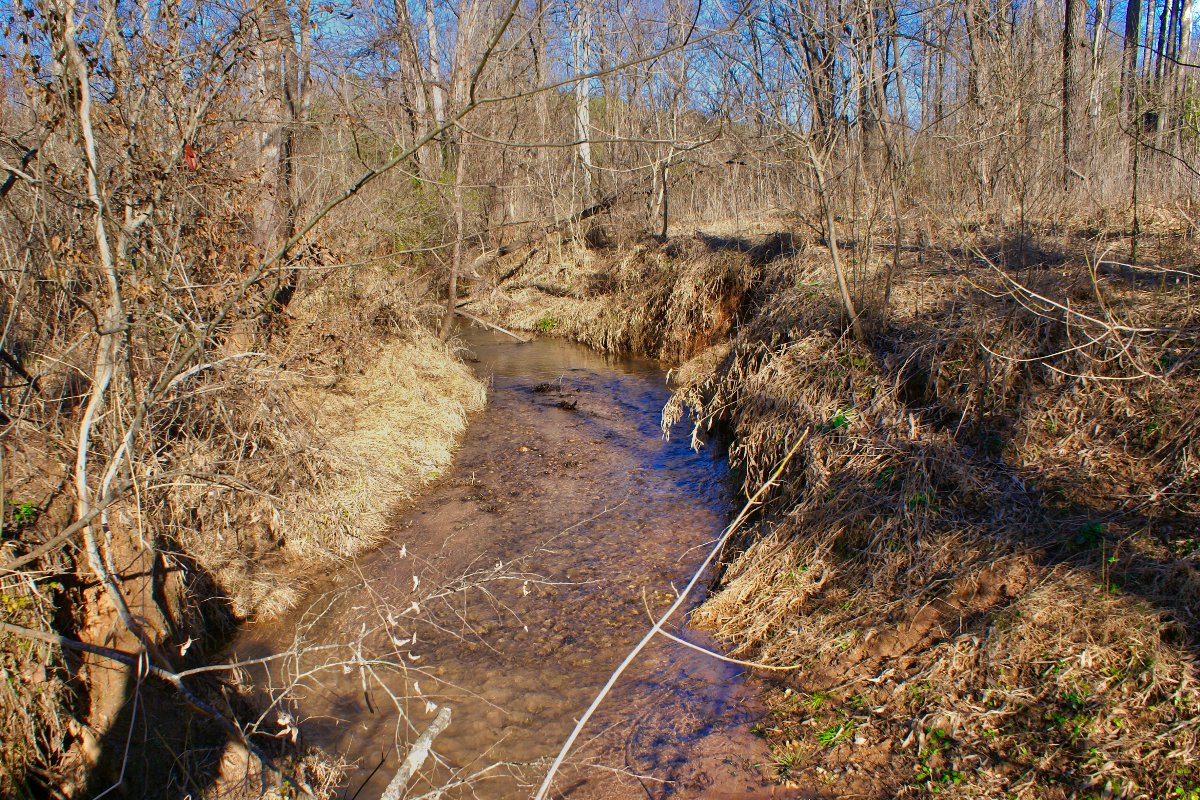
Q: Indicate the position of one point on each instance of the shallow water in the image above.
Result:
(526, 575)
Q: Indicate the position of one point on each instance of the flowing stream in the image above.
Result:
(525, 575)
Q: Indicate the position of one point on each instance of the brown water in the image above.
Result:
(525, 576)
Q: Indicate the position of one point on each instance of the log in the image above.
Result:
(416, 756)
(487, 324)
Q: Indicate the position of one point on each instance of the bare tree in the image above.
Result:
(1076, 62)
(1129, 61)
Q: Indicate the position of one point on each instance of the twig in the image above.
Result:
(728, 659)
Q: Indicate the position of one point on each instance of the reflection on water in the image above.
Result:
(516, 585)
(504, 357)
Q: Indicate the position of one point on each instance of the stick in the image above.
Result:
(417, 755)
(720, 543)
(487, 324)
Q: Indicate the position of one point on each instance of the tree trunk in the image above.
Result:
(976, 17)
(278, 87)
(1074, 92)
(583, 98)
(1094, 94)
(437, 91)
(664, 200)
(1185, 37)
(829, 223)
(456, 257)
(926, 78)
(1160, 46)
(414, 86)
(1129, 61)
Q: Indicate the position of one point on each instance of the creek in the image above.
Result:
(511, 590)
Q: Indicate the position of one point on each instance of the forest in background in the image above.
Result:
(229, 228)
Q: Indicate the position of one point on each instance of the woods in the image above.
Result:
(236, 237)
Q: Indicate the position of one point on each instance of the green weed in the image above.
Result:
(935, 742)
(921, 500)
(23, 513)
(815, 700)
(936, 778)
(836, 733)
(887, 478)
(1090, 536)
(785, 762)
(839, 421)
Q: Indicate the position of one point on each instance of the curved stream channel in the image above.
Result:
(525, 575)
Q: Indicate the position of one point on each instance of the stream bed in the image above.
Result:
(511, 590)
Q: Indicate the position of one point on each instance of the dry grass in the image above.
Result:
(360, 409)
(984, 557)
(668, 302)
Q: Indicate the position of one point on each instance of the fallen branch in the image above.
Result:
(533, 251)
(416, 756)
(658, 626)
(487, 324)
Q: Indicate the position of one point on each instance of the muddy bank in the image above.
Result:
(512, 590)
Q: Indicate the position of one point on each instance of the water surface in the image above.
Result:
(525, 576)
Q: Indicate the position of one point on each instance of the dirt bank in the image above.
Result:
(277, 465)
(983, 566)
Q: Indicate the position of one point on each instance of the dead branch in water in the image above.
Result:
(417, 755)
(657, 627)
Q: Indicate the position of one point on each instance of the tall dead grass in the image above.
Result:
(982, 559)
(356, 410)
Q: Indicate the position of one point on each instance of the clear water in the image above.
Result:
(533, 566)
